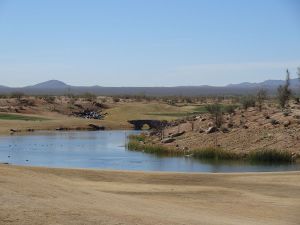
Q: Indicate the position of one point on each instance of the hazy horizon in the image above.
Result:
(149, 43)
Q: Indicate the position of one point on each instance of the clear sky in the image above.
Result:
(148, 42)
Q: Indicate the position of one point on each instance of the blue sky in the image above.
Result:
(148, 42)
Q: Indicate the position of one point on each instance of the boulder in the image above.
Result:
(168, 140)
(176, 134)
(274, 122)
(245, 126)
(297, 117)
(61, 129)
(95, 127)
(230, 125)
(201, 131)
(286, 123)
(211, 130)
(225, 130)
(14, 130)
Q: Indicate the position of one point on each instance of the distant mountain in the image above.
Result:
(50, 84)
(4, 89)
(268, 84)
(56, 87)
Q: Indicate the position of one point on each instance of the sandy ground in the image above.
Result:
(64, 196)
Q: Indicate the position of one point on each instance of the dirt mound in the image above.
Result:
(243, 130)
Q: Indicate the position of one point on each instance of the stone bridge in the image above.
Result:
(153, 124)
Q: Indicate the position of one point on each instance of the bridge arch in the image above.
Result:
(153, 124)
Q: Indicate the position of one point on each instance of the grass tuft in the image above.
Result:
(20, 117)
(271, 156)
(216, 154)
(136, 143)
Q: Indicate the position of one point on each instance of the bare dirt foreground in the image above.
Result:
(68, 196)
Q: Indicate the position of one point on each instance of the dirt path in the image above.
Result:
(63, 196)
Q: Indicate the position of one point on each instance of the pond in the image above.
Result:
(106, 150)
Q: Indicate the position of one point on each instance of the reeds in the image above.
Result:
(216, 154)
(271, 156)
(138, 143)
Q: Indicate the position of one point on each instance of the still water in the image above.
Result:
(106, 150)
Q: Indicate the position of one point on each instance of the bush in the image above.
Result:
(89, 97)
(49, 99)
(248, 101)
(216, 112)
(17, 95)
(116, 99)
(284, 92)
(230, 108)
(3, 96)
(261, 96)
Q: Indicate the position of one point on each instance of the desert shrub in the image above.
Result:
(88, 97)
(286, 113)
(70, 95)
(116, 99)
(271, 156)
(216, 112)
(171, 101)
(298, 73)
(229, 108)
(49, 99)
(3, 96)
(17, 95)
(261, 96)
(188, 100)
(284, 92)
(27, 102)
(248, 101)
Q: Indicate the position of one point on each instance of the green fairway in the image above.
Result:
(20, 117)
(193, 111)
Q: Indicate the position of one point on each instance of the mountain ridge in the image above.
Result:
(53, 87)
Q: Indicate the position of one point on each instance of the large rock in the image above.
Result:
(177, 134)
(225, 130)
(95, 127)
(274, 122)
(286, 123)
(211, 130)
(168, 140)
